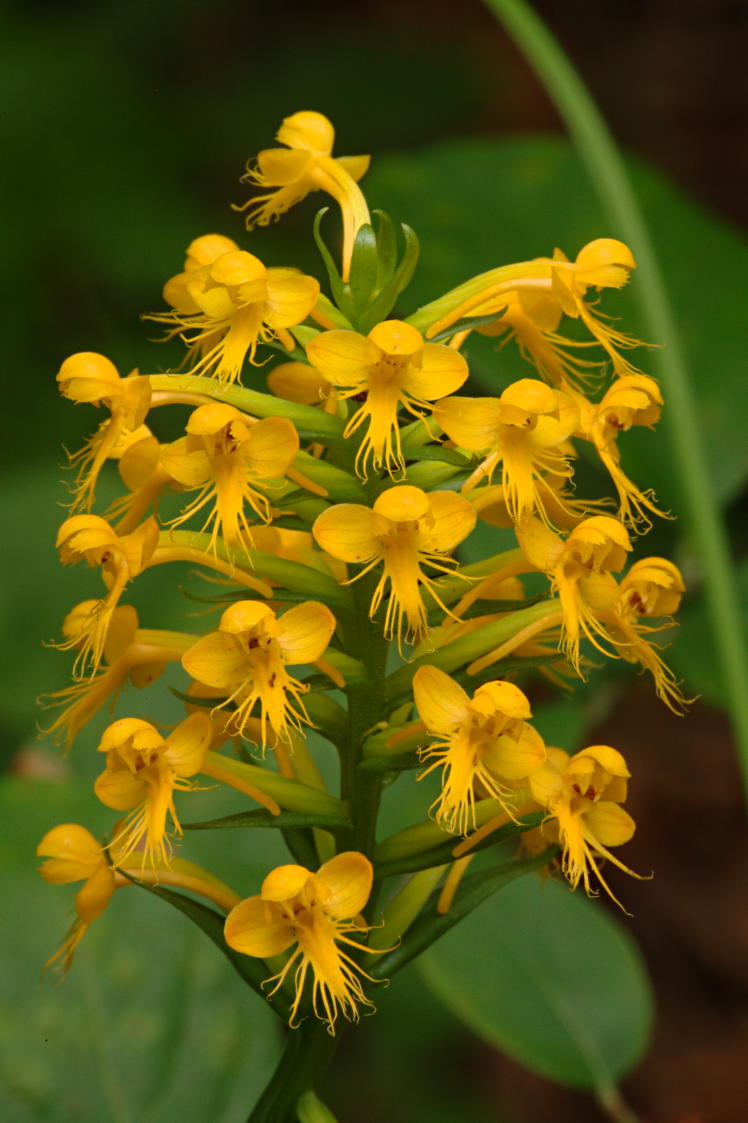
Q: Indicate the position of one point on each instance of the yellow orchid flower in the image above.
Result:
(598, 545)
(89, 377)
(143, 770)
(525, 431)
(307, 164)
(247, 658)
(405, 530)
(226, 455)
(652, 589)
(486, 743)
(73, 854)
(582, 795)
(544, 283)
(121, 557)
(632, 400)
(226, 306)
(132, 654)
(389, 368)
(314, 914)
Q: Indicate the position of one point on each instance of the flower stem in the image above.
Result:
(307, 1053)
(610, 179)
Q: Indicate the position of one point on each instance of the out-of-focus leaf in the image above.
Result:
(549, 978)
(150, 1024)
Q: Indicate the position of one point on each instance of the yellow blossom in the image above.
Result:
(247, 658)
(224, 307)
(143, 770)
(144, 473)
(486, 743)
(597, 545)
(561, 507)
(226, 455)
(89, 377)
(299, 382)
(389, 368)
(525, 431)
(121, 557)
(73, 854)
(543, 283)
(405, 530)
(651, 590)
(632, 400)
(313, 914)
(582, 795)
(307, 164)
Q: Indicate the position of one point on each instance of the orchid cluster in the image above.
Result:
(329, 496)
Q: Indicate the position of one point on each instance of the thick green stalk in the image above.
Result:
(611, 181)
(307, 1054)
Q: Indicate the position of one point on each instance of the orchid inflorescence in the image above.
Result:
(332, 510)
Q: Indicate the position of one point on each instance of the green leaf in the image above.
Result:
(253, 971)
(431, 925)
(287, 820)
(551, 979)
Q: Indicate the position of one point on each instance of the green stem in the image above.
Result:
(610, 179)
(307, 1053)
(365, 706)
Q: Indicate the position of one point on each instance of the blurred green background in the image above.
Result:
(126, 130)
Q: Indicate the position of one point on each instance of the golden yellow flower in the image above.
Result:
(227, 457)
(389, 368)
(247, 658)
(582, 795)
(525, 431)
(632, 400)
(227, 305)
(73, 854)
(307, 164)
(534, 293)
(143, 770)
(313, 913)
(89, 377)
(405, 530)
(597, 545)
(486, 743)
(91, 539)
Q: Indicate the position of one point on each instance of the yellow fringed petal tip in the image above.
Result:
(305, 165)
(228, 305)
(582, 795)
(92, 378)
(247, 657)
(230, 460)
(405, 530)
(313, 914)
(389, 368)
(486, 744)
(143, 770)
(524, 433)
